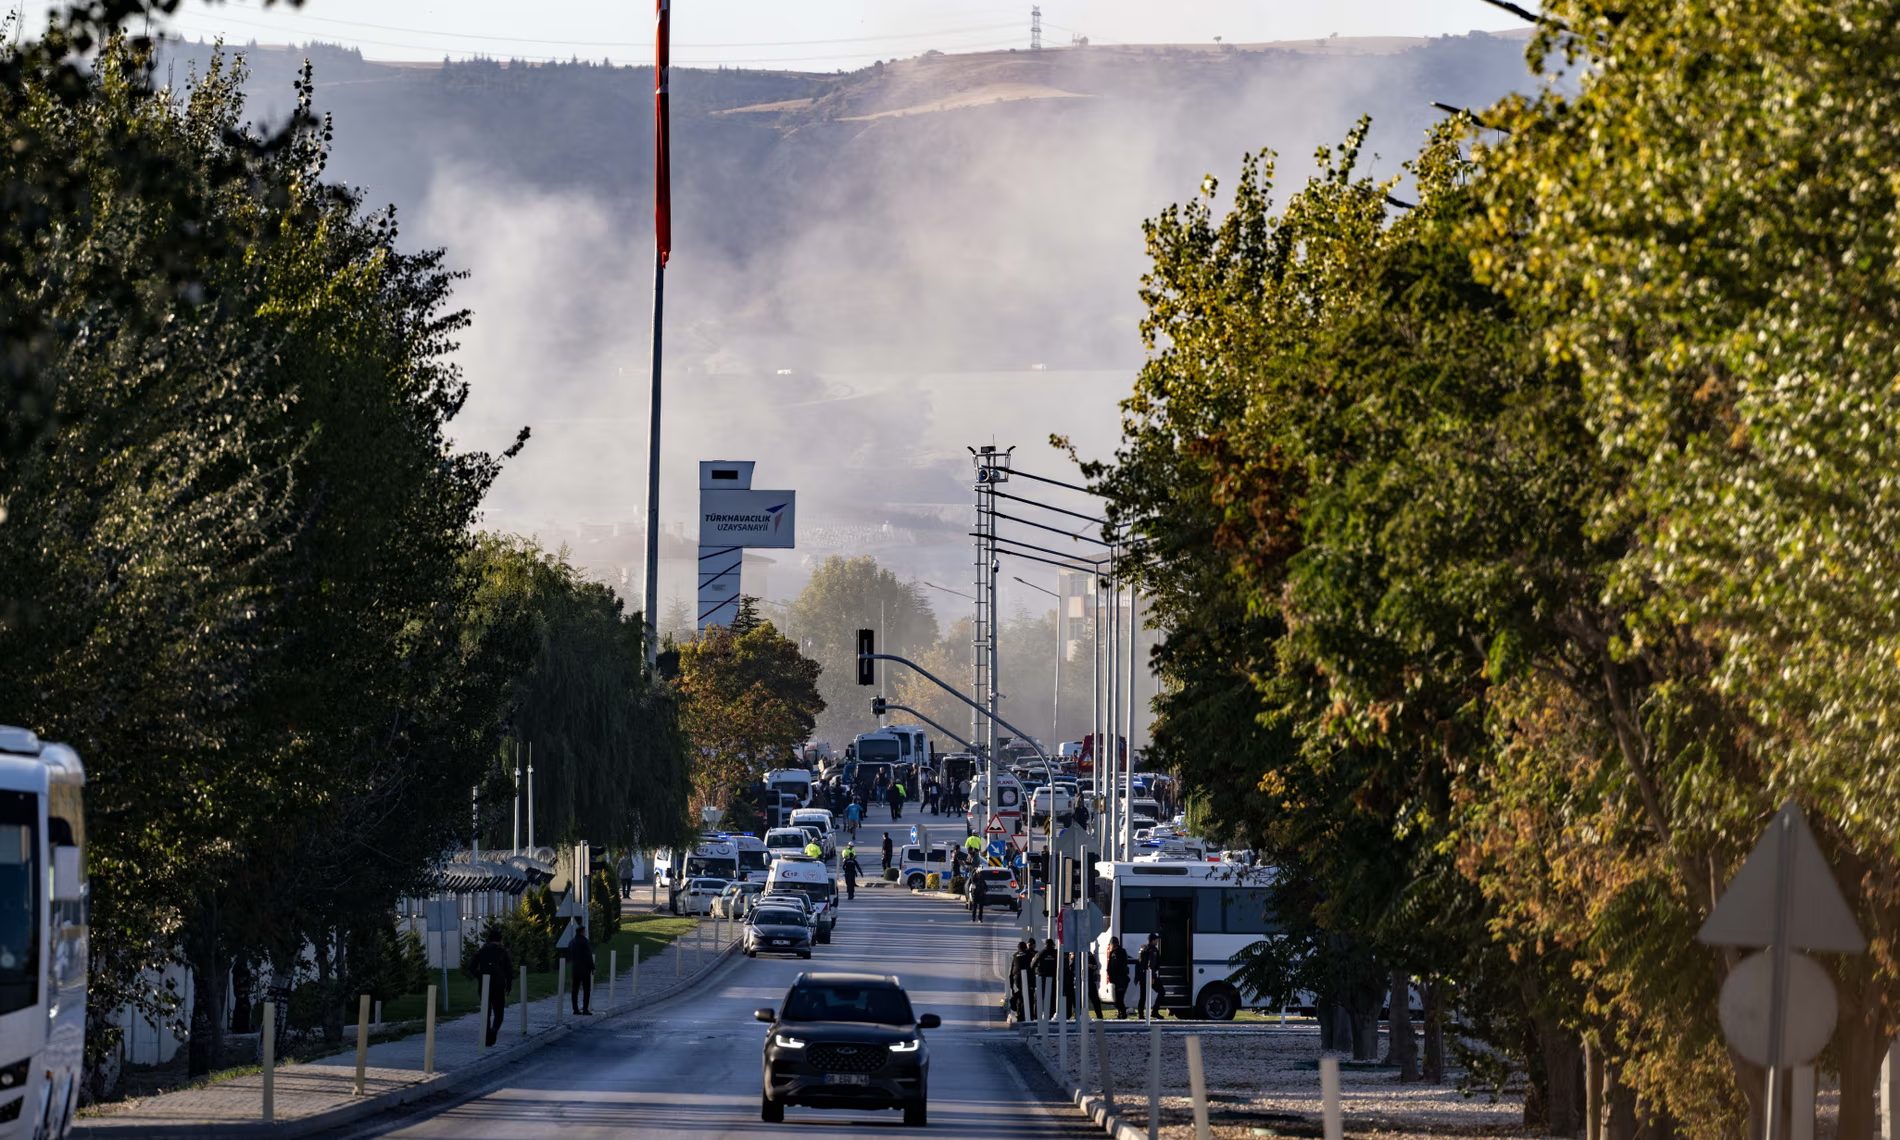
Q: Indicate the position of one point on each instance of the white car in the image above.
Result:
(735, 899)
(698, 896)
(1061, 795)
(785, 841)
(820, 819)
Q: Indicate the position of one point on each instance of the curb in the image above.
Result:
(422, 1088)
(1094, 1107)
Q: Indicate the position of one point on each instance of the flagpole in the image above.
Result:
(662, 246)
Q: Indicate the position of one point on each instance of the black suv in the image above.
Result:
(846, 1041)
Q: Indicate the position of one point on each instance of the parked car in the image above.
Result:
(914, 864)
(735, 899)
(698, 896)
(846, 1041)
(786, 841)
(777, 928)
(999, 886)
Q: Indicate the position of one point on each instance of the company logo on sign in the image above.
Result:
(769, 520)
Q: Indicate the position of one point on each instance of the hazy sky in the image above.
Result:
(804, 35)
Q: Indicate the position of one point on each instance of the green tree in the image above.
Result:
(750, 698)
(844, 596)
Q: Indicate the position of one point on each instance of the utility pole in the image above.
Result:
(1035, 28)
(662, 249)
(992, 467)
(1128, 720)
(531, 795)
(515, 814)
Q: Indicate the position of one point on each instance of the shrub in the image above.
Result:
(890, 874)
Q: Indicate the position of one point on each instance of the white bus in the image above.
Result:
(43, 935)
(1205, 914)
(715, 857)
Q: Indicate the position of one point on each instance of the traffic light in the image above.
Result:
(877, 706)
(867, 645)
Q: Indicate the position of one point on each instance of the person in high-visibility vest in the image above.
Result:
(812, 849)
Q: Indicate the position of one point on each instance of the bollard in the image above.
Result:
(1329, 1098)
(636, 973)
(362, 1039)
(524, 1001)
(267, 1034)
(428, 1037)
(1801, 1104)
(1154, 1080)
(1101, 1063)
(1197, 1087)
(483, 1014)
(1061, 1009)
(1082, 1040)
(560, 988)
(679, 951)
(613, 975)
(378, 1021)
(1890, 1092)
(1029, 999)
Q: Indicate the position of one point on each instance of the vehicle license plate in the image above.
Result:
(781, 942)
(847, 1079)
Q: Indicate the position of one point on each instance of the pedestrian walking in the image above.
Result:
(492, 962)
(976, 900)
(626, 876)
(963, 796)
(580, 960)
(1147, 969)
(887, 851)
(878, 788)
(897, 797)
(1118, 976)
(1068, 982)
(851, 872)
(1095, 987)
(853, 815)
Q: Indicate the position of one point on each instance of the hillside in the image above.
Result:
(851, 250)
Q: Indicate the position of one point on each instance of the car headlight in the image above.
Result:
(785, 1042)
(910, 1046)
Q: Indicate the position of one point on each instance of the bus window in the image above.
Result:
(1248, 911)
(1207, 911)
(1141, 915)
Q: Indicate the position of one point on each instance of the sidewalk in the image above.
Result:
(318, 1096)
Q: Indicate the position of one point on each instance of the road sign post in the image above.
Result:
(1783, 898)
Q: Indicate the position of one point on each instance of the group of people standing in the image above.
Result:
(1045, 964)
(494, 963)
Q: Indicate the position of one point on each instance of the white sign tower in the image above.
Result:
(733, 518)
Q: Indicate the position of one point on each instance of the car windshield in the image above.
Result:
(777, 918)
(873, 1004)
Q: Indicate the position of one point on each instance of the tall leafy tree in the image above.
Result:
(750, 698)
(844, 596)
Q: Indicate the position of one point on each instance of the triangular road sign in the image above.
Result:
(1818, 917)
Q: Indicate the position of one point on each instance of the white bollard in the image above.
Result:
(482, 1015)
(524, 1001)
(1082, 1039)
(267, 1034)
(560, 989)
(613, 975)
(1062, 1031)
(379, 1015)
(362, 1040)
(428, 1037)
(1197, 1087)
(1329, 1098)
(1101, 1064)
(1154, 1080)
(1801, 1104)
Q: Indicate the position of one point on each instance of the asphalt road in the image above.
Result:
(690, 1067)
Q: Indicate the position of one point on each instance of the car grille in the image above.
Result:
(835, 1058)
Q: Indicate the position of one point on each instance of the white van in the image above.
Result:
(819, 818)
(914, 863)
(1040, 802)
(785, 841)
(810, 878)
(797, 781)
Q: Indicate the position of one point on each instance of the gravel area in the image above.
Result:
(1264, 1081)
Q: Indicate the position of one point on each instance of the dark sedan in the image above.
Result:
(846, 1041)
(777, 930)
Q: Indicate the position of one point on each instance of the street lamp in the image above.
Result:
(948, 590)
(1055, 713)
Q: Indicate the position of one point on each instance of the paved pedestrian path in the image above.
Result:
(319, 1095)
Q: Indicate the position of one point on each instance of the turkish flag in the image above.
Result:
(662, 174)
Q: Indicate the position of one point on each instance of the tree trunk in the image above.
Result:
(1592, 1091)
(210, 973)
(241, 985)
(1331, 1015)
(331, 989)
(1365, 996)
(1562, 1100)
(1404, 1047)
(1435, 1031)
(1623, 1123)
(1861, 1047)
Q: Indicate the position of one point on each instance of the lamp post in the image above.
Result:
(1055, 712)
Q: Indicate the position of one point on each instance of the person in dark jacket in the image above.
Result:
(1020, 963)
(1147, 970)
(492, 962)
(897, 795)
(977, 899)
(1118, 976)
(1095, 990)
(1045, 967)
(887, 851)
(851, 872)
(1068, 982)
(580, 960)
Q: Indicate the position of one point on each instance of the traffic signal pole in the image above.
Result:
(864, 660)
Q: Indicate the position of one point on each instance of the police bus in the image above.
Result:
(1205, 914)
(43, 933)
(714, 857)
